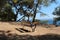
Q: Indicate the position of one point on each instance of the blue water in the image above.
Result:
(51, 22)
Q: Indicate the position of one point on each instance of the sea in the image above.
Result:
(51, 22)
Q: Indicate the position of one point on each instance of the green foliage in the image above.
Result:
(29, 4)
(7, 14)
(15, 1)
(57, 13)
(2, 3)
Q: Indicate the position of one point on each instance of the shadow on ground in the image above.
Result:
(5, 35)
(22, 30)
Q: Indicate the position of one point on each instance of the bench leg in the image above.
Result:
(33, 29)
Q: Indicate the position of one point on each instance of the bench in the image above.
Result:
(29, 24)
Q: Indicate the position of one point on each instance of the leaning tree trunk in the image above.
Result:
(28, 18)
(16, 14)
(35, 12)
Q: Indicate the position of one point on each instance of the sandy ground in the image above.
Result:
(5, 26)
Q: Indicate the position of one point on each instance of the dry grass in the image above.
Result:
(14, 31)
(15, 28)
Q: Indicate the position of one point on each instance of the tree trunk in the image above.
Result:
(35, 12)
(28, 18)
(16, 16)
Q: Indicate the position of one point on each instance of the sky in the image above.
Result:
(47, 10)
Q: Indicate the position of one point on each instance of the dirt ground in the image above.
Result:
(14, 28)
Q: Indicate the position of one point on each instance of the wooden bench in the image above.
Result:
(29, 24)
